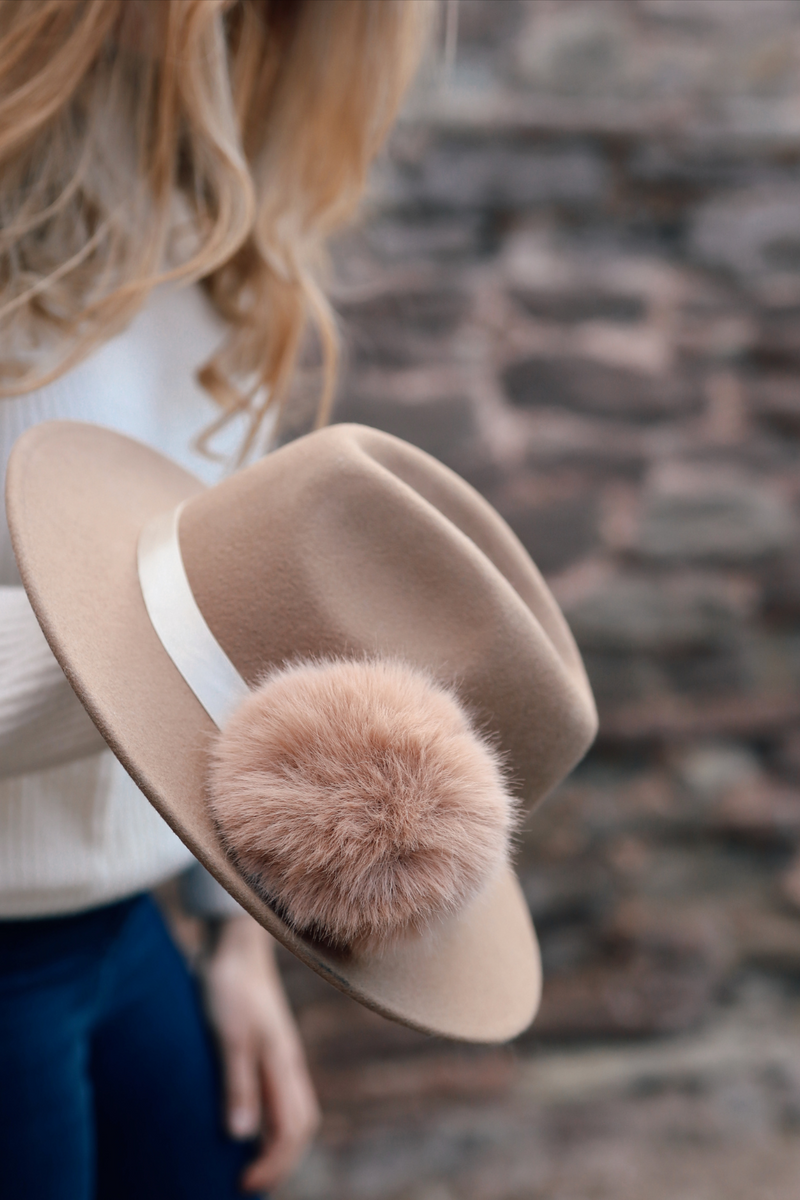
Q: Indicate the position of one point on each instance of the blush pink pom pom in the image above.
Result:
(358, 799)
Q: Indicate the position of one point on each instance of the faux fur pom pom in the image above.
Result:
(358, 799)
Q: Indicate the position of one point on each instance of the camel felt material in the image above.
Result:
(346, 573)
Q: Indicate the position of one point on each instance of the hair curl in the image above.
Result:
(215, 140)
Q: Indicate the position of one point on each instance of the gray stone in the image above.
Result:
(569, 307)
(565, 892)
(753, 233)
(577, 51)
(431, 311)
(557, 533)
(759, 812)
(720, 673)
(777, 347)
(634, 613)
(720, 17)
(769, 940)
(450, 236)
(483, 23)
(678, 169)
(585, 386)
(636, 998)
(787, 758)
(668, 717)
(441, 425)
(710, 769)
(596, 447)
(782, 587)
(620, 677)
(703, 515)
(401, 328)
(498, 174)
(566, 947)
(776, 398)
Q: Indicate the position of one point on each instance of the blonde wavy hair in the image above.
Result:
(214, 140)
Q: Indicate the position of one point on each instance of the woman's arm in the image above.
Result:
(42, 722)
(268, 1090)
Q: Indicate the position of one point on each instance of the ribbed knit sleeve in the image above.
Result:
(75, 831)
(42, 722)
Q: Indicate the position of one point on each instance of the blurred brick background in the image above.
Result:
(578, 284)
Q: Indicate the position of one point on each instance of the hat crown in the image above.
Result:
(349, 542)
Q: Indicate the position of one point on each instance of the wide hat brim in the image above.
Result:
(77, 498)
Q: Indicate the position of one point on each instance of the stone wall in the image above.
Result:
(578, 284)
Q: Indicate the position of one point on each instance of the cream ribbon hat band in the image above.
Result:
(179, 623)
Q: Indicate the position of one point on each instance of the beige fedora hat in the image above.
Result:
(350, 551)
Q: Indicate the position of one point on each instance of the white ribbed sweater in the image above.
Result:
(75, 831)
